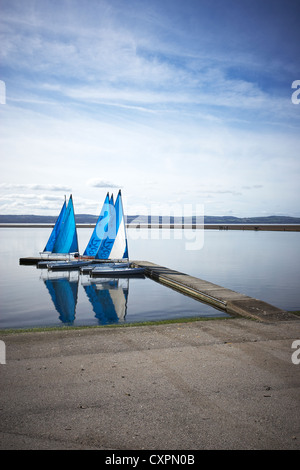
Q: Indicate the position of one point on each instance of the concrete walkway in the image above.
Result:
(217, 384)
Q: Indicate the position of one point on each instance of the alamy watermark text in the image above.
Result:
(296, 354)
(2, 92)
(2, 353)
(296, 94)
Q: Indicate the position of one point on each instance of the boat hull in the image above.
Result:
(116, 272)
(67, 266)
(78, 264)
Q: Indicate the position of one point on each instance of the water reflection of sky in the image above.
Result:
(261, 264)
(37, 297)
(117, 300)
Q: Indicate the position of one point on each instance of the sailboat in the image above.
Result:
(108, 242)
(98, 232)
(50, 243)
(103, 227)
(114, 245)
(67, 240)
(63, 238)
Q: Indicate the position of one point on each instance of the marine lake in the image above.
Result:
(261, 264)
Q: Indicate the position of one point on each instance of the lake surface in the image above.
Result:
(264, 265)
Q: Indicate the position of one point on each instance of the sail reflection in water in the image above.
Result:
(109, 299)
(64, 294)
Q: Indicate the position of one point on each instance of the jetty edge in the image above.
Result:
(234, 303)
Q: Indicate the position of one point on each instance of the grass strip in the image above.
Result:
(114, 325)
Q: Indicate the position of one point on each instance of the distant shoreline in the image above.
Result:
(88, 219)
(136, 225)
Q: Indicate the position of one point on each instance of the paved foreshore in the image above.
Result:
(216, 384)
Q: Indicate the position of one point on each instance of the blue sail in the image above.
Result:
(64, 297)
(102, 304)
(120, 248)
(99, 230)
(109, 233)
(109, 300)
(50, 244)
(114, 245)
(67, 241)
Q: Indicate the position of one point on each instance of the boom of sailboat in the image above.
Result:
(108, 243)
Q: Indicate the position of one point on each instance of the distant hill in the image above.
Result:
(273, 219)
(44, 219)
(92, 219)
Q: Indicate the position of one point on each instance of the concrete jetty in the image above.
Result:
(232, 302)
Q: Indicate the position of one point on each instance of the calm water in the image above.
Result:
(264, 265)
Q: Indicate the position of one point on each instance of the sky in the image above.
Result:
(178, 103)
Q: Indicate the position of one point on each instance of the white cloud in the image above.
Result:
(106, 98)
(37, 187)
(97, 183)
